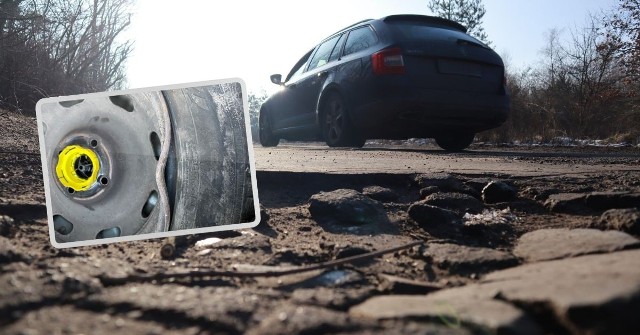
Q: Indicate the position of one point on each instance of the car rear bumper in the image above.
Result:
(427, 113)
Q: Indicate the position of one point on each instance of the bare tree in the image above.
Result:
(57, 47)
(578, 90)
(624, 34)
(466, 12)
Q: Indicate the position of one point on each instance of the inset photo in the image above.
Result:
(147, 163)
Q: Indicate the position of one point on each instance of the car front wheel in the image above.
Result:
(455, 142)
(267, 138)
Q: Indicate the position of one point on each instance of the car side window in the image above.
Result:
(323, 53)
(359, 39)
(335, 54)
(297, 69)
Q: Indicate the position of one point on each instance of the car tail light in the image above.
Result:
(388, 61)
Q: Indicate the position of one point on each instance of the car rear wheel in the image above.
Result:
(455, 142)
(267, 138)
(337, 129)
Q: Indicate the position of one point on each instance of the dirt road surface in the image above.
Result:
(509, 240)
(406, 159)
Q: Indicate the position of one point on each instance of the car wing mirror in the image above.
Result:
(276, 79)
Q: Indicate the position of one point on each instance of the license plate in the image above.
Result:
(459, 68)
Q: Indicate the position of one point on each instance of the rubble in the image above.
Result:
(457, 202)
(497, 191)
(547, 244)
(347, 207)
(626, 220)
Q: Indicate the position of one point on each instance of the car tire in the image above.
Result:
(337, 129)
(455, 142)
(357, 142)
(211, 150)
(265, 131)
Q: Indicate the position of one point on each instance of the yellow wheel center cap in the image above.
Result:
(77, 167)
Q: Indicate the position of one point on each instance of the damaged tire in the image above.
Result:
(211, 151)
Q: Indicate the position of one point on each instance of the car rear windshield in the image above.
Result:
(408, 31)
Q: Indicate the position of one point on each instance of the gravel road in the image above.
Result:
(479, 159)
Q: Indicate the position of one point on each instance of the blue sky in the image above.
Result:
(196, 40)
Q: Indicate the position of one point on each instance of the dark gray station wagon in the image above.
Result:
(399, 77)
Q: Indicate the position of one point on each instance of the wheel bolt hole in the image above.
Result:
(104, 180)
(94, 143)
(70, 190)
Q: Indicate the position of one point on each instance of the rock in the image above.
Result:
(264, 216)
(547, 244)
(432, 216)
(492, 315)
(463, 259)
(594, 294)
(425, 192)
(47, 320)
(610, 200)
(497, 191)
(380, 193)
(228, 306)
(264, 227)
(6, 225)
(346, 207)
(334, 297)
(291, 319)
(399, 285)
(566, 203)
(458, 202)
(478, 183)
(598, 201)
(538, 194)
(626, 220)
(207, 242)
(445, 182)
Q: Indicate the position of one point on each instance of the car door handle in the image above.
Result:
(323, 74)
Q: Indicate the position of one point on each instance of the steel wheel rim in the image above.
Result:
(114, 205)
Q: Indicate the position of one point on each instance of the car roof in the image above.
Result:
(348, 27)
(425, 19)
(406, 17)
